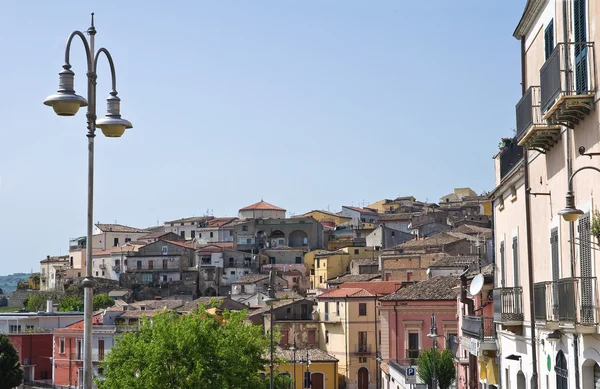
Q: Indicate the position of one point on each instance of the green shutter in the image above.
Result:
(549, 39)
(515, 247)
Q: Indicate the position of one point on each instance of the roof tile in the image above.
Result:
(436, 288)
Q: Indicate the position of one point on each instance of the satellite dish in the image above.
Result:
(476, 284)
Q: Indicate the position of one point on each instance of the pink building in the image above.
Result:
(406, 320)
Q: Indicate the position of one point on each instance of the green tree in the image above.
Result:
(102, 301)
(441, 364)
(11, 374)
(195, 351)
(70, 304)
(35, 302)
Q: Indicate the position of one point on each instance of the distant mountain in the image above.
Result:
(9, 283)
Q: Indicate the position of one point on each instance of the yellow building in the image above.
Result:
(350, 330)
(332, 264)
(323, 368)
(328, 217)
(384, 206)
(309, 259)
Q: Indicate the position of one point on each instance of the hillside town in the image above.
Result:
(505, 280)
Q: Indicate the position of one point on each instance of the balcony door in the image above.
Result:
(555, 269)
(585, 261)
(363, 378)
(413, 345)
(562, 376)
(581, 51)
(515, 249)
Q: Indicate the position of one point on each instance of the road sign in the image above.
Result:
(411, 376)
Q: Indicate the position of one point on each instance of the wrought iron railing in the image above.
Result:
(510, 302)
(545, 300)
(510, 157)
(363, 348)
(577, 300)
(569, 70)
(479, 327)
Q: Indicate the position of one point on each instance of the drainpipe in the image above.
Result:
(346, 339)
(396, 330)
(569, 172)
(498, 354)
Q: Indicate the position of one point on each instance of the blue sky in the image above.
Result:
(307, 104)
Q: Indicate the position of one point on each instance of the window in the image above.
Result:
(362, 359)
(244, 228)
(115, 242)
(79, 273)
(231, 262)
(165, 263)
(298, 260)
(127, 240)
(147, 277)
(412, 351)
(230, 232)
(320, 279)
(125, 262)
(409, 276)
(318, 262)
(356, 251)
(182, 224)
(337, 308)
(117, 262)
(199, 235)
(326, 337)
(362, 309)
(96, 273)
(362, 342)
(61, 345)
(14, 329)
(139, 265)
(211, 234)
(312, 337)
(79, 349)
(182, 234)
(393, 233)
(580, 35)
(284, 337)
(164, 278)
(102, 273)
(272, 260)
(165, 250)
(502, 266)
(193, 234)
(100, 349)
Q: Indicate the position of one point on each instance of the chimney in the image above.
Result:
(47, 257)
(49, 306)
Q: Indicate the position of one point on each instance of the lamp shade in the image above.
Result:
(65, 102)
(112, 125)
(570, 213)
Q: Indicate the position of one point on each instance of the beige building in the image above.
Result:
(540, 257)
(106, 236)
(261, 210)
(52, 270)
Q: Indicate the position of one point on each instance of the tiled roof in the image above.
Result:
(314, 355)
(365, 261)
(394, 216)
(118, 228)
(156, 304)
(456, 261)
(472, 229)
(278, 304)
(436, 288)
(380, 288)
(180, 244)
(361, 210)
(487, 271)
(251, 278)
(56, 258)
(436, 240)
(345, 292)
(352, 278)
(221, 221)
(262, 205)
(154, 235)
(193, 219)
(325, 213)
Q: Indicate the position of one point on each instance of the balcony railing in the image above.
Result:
(479, 327)
(412, 353)
(545, 300)
(509, 158)
(77, 356)
(331, 317)
(577, 300)
(363, 349)
(568, 73)
(508, 305)
(455, 346)
(528, 111)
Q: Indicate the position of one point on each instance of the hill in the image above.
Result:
(9, 283)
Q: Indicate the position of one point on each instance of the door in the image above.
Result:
(80, 378)
(562, 377)
(317, 381)
(363, 378)
(100, 349)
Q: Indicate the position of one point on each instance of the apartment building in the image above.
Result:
(550, 169)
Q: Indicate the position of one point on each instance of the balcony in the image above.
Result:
(412, 355)
(578, 302)
(102, 266)
(510, 157)
(116, 269)
(329, 317)
(508, 306)
(481, 328)
(568, 83)
(457, 350)
(363, 349)
(545, 299)
(533, 132)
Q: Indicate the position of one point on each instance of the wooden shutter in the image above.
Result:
(585, 271)
(502, 266)
(580, 36)
(549, 39)
(515, 247)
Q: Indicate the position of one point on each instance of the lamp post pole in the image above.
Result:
(294, 349)
(270, 301)
(66, 103)
(433, 334)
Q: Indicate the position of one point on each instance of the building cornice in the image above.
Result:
(516, 173)
(532, 9)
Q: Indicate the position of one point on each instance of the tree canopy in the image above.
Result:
(194, 351)
(441, 364)
(11, 374)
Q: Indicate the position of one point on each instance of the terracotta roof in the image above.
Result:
(380, 288)
(262, 205)
(394, 216)
(251, 278)
(361, 210)
(155, 235)
(487, 271)
(472, 229)
(221, 221)
(436, 240)
(456, 261)
(353, 278)
(221, 245)
(278, 304)
(56, 258)
(346, 292)
(314, 355)
(365, 261)
(385, 367)
(180, 244)
(118, 228)
(325, 213)
(156, 304)
(436, 288)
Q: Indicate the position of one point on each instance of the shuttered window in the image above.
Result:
(555, 268)
(502, 266)
(549, 39)
(515, 247)
(580, 36)
(585, 261)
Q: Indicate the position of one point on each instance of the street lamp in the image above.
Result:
(433, 334)
(379, 359)
(270, 301)
(294, 349)
(570, 213)
(66, 102)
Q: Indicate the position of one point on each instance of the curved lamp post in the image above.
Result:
(433, 334)
(570, 213)
(294, 349)
(66, 102)
(270, 301)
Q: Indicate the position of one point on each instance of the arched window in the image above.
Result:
(560, 369)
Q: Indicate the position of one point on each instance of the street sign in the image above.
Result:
(411, 376)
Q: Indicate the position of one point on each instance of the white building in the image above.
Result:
(52, 271)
